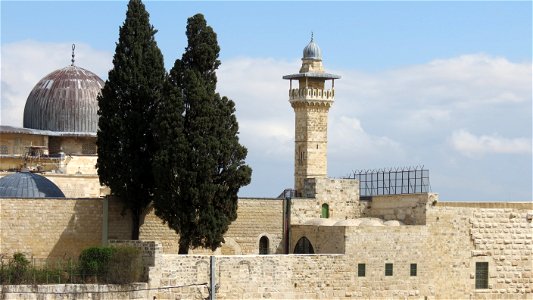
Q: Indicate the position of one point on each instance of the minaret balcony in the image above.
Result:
(311, 94)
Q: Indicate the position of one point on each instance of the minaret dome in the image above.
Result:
(312, 51)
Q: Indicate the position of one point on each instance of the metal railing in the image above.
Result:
(392, 181)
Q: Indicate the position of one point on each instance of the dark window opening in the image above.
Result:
(388, 269)
(413, 270)
(361, 270)
(303, 246)
(482, 275)
(88, 148)
(263, 245)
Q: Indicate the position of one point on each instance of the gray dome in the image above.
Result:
(28, 185)
(64, 100)
(312, 51)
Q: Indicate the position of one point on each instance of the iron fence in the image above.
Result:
(392, 181)
(46, 271)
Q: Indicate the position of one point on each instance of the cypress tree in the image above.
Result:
(127, 108)
(197, 187)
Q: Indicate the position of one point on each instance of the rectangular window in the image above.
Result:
(482, 275)
(388, 269)
(361, 270)
(413, 270)
(3, 149)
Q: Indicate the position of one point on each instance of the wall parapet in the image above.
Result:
(75, 291)
(311, 93)
(513, 205)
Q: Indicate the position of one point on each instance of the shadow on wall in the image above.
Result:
(83, 230)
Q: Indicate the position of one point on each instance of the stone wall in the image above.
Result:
(150, 252)
(324, 239)
(255, 218)
(77, 186)
(462, 234)
(445, 250)
(340, 195)
(49, 228)
(74, 291)
(119, 220)
(279, 277)
(81, 165)
(410, 208)
(14, 144)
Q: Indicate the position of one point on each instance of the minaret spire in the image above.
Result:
(72, 60)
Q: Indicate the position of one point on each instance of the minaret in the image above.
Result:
(311, 102)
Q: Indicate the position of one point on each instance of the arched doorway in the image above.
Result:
(303, 246)
(264, 245)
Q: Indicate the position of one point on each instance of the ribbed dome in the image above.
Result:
(28, 185)
(312, 51)
(64, 100)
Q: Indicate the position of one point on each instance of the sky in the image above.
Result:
(446, 85)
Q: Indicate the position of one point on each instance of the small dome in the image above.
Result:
(321, 222)
(393, 223)
(28, 185)
(349, 222)
(64, 100)
(312, 51)
(371, 222)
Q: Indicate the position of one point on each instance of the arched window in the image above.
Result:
(263, 245)
(325, 211)
(303, 246)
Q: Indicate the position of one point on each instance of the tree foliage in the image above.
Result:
(199, 166)
(127, 108)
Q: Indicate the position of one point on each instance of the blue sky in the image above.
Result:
(443, 84)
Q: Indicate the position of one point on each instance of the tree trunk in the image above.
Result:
(183, 247)
(136, 223)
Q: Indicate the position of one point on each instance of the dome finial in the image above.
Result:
(312, 51)
(72, 60)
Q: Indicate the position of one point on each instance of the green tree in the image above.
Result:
(200, 169)
(127, 108)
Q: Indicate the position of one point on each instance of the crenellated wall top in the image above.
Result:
(311, 94)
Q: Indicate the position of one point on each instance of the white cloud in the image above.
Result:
(24, 63)
(348, 140)
(261, 98)
(471, 145)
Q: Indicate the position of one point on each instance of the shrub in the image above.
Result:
(111, 264)
(17, 270)
(125, 266)
(94, 261)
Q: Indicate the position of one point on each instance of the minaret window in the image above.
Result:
(325, 211)
(264, 245)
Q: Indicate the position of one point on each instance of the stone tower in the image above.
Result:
(311, 101)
